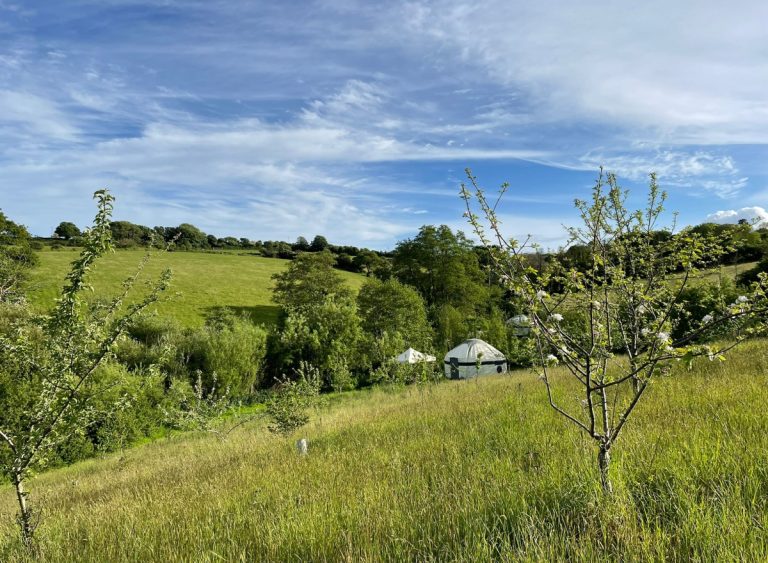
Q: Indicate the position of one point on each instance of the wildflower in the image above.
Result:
(707, 319)
(742, 299)
(663, 336)
(541, 294)
(641, 309)
(557, 317)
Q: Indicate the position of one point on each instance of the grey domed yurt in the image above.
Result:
(474, 357)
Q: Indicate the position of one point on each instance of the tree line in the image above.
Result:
(187, 237)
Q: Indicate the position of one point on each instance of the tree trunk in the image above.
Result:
(25, 512)
(604, 463)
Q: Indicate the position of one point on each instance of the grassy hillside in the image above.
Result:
(468, 471)
(204, 281)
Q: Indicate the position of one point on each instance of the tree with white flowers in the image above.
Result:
(609, 326)
(54, 361)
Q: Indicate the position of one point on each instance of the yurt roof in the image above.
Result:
(412, 356)
(475, 348)
(518, 320)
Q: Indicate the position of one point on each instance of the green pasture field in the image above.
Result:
(478, 470)
(202, 281)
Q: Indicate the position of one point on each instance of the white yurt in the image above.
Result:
(411, 356)
(521, 325)
(474, 357)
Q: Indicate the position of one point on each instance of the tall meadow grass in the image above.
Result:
(462, 471)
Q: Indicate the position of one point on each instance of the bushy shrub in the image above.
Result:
(233, 350)
(236, 355)
(152, 329)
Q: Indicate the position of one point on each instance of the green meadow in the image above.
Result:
(201, 283)
(477, 470)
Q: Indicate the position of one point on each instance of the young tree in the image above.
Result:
(54, 360)
(611, 326)
(287, 408)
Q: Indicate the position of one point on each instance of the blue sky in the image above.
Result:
(355, 120)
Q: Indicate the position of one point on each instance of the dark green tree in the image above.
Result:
(125, 233)
(443, 267)
(309, 279)
(16, 258)
(67, 230)
(301, 245)
(371, 264)
(390, 307)
(319, 243)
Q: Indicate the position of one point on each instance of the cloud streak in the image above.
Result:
(355, 120)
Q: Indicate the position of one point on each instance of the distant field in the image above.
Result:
(204, 281)
(467, 471)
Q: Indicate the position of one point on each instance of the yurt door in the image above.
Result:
(454, 368)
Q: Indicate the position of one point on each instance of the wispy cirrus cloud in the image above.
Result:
(351, 118)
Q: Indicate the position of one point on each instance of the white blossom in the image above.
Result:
(557, 317)
(663, 336)
(742, 299)
(541, 294)
(707, 319)
(551, 359)
(596, 305)
(645, 332)
(641, 309)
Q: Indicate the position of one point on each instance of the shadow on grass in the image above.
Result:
(257, 314)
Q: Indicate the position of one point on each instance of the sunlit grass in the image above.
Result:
(471, 471)
(203, 281)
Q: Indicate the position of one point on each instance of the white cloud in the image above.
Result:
(698, 171)
(754, 215)
(673, 72)
(29, 116)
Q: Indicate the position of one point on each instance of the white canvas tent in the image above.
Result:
(474, 357)
(520, 324)
(411, 356)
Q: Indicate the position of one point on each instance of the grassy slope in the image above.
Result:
(204, 281)
(470, 471)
